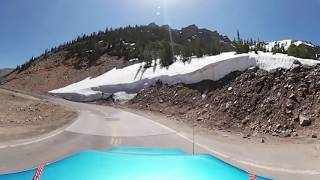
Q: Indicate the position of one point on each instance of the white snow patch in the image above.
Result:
(286, 44)
(128, 43)
(123, 96)
(132, 79)
(132, 60)
(297, 43)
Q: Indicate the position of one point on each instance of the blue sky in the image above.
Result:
(29, 27)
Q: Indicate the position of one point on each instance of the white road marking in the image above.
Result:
(35, 140)
(279, 169)
(256, 165)
(32, 141)
(117, 141)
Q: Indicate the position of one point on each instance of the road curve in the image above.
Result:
(101, 127)
(96, 127)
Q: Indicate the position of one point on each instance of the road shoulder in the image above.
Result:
(282, 157)
(24, 117)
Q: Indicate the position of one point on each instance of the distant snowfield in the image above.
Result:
(132, 79)
(286, 44)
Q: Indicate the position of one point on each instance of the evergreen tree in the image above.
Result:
(186, 53)
(131, 42)
(167, 57)
(242, 47)
(302, 51)
(146, 57)
(215, 49)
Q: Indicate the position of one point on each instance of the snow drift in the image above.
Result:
(131, 79)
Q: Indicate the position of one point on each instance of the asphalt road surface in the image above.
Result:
(97, 127)
(101, 127)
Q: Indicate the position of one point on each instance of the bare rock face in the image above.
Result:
(314, 136)
(304, 120)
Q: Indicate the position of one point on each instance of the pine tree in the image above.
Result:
(147, 58)
(238, 35)
(282, 50)
(215, 49)
(186, 53)
(167, 57)
(242, 47)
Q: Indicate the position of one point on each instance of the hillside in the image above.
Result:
(52, 72)
(97, 53)
(295, 48)
(5, 71)
(132, 79)
(286, 44)
(250, 86)
(94, 54)
(250, 93)
(254, 102)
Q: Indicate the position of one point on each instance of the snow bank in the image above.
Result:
(131, 79)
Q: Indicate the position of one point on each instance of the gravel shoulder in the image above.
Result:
(24, 117)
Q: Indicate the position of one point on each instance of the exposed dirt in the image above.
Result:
(54, 72)
(280, 103)
(22, 116)
(5, 71)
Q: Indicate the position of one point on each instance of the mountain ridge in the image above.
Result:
(94, 54)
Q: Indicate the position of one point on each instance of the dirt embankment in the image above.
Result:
(4, 72)
(23, 117)
(279, 103)
(55, 72)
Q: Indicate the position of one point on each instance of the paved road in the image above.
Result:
(101, 127)
(97, 127)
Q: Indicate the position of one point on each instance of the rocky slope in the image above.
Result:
(279, 103)
(132, 79)
(52, 72)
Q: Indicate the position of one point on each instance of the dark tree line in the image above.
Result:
(151, 42)
(248, 45)
(146, 43)
(303, 51)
